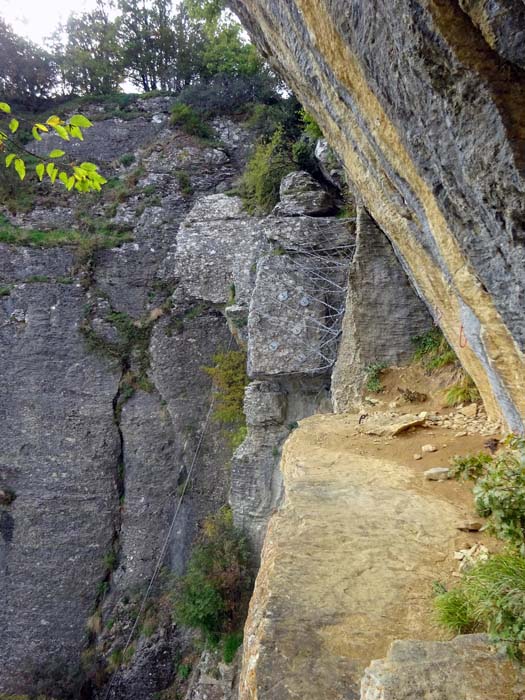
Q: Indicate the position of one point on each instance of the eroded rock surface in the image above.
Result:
(103, 401)
(300, 194)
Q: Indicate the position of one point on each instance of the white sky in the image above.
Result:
(36, 20)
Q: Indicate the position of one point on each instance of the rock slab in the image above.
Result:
(347, 567)
(466, 668)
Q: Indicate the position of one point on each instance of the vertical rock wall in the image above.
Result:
(103, 401)
(383, 314)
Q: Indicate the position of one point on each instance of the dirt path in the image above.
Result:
(350, 558)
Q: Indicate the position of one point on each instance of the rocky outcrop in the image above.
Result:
(426, 116)
(347, 567)
(467, 668)
(502, 25)
(282, 281)
(106, 405)
(384, 315)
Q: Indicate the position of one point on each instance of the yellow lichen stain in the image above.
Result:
(382, 199)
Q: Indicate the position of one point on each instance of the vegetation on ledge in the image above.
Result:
(491, 595)
(104, 237)
(213, 596)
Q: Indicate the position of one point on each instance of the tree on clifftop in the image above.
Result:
(90, 59)
(28, 73)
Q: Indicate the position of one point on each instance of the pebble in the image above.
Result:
(416, 456)
(429, 448)
(437, 474)
(463, 433)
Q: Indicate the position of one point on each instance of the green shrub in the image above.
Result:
(499, 494)
(471, 466)
(490, 598)
(213, 595)
(266, 118)
(183, 671)
(184, 183)
(111, 560)
(303, 154)
(433, 350)
(373, 377)
(261, 180)
(311, 127)
(230, 378)
(190, 121)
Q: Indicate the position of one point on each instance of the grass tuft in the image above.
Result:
(433, 350)
(464, 391)
(490, 598)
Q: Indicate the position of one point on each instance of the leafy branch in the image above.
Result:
(83, 178)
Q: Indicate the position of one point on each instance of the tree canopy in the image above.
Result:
(149, 43)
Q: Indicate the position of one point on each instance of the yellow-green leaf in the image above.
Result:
(54, 120)
(88, 166)
(63, 178)
(76, 133)
(13, 125)
(80, 120)
(52, 172)
(80, 173)
(70, 182)
(40, 171)
(4, 107)
(20, 168)
(57, 153)
(35, 133)
(41, 127)
(61, 131)
(9, 159)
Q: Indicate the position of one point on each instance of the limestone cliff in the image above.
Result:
(105, 405)
(424, 103)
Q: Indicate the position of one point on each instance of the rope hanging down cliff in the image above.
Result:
(164, 548)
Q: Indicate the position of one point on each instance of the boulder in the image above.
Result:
(466, 668)
(300, 194)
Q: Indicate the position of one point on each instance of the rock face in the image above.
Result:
(467, 668)
(383, 314)
(106, 406)
(426, 116)
(103, 401)
(283, 282)
(293, 328)
(347, 567)
(59, 450)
